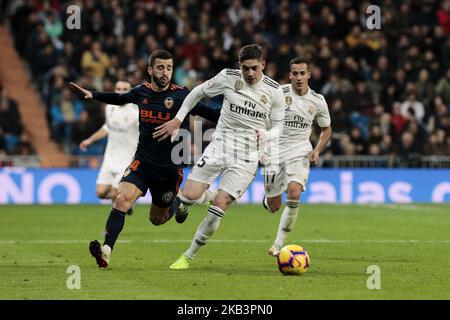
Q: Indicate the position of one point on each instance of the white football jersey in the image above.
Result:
(299, 116)
(245, 108)
(122, 125)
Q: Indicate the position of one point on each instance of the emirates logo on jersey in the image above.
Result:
(168, 102)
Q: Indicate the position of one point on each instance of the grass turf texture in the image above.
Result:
(38, 243)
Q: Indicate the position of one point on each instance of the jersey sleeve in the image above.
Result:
(116, 98)
(216, 85)
(323, 115)
(203, 110)
(276, 115)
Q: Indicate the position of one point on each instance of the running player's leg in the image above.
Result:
(274, 185)
(130, 189)
(127, 194)
(107, 184)
(106, 180)
(288, 217)
(232, 186)
(195, 190)
(164, 187)
(273, 204)
(296, 174)
(103, 191)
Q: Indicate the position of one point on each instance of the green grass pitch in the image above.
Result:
(409, 243)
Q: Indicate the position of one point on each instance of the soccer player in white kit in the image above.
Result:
(291, 172)
(122, 128)
(252, 112)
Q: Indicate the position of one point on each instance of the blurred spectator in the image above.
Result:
(96, 63)
(24, 146)
(10, 120)
(339, 117)
(443, 87)
(444, 16)
(412, 108)
(357, 140)
(407, 152)
(440, 110)
(83, 128)
(437, 144)
(64, 113)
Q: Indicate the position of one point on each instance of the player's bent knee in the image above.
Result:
(190, 194)
(274, 204)
(223, 202)
(102, 194)
(294, 195)
(157, 220)
(121, 203)
(295, 191)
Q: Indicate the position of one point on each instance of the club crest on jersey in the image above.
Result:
(167, 196)
(311, 110)
(263, 99)
(211, 82)
(288, 100)
(238, 85)
(168, 102)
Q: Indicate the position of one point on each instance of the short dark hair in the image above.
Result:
(299, 61)
(159, 54)
(251, 51)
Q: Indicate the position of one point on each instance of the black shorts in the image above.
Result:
(163, 182)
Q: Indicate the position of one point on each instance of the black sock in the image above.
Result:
(114, 226)
(173, 208)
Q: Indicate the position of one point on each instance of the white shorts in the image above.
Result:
(297, 170)
(236, 174)
(109, 176)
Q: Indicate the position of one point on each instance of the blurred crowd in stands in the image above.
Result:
(388, 90)
(14, 139)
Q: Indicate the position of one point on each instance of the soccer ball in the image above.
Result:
(293, 260)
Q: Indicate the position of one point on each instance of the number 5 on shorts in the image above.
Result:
(201, 162)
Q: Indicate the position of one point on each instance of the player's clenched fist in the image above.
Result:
(85, 143)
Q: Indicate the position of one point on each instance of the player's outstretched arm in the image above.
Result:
(106, 97)
(205, 111)
(168, 129)
(86, 93)
(99, 134)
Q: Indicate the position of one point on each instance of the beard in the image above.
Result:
(160, 83)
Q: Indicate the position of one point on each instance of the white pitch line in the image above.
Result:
(324, 241)
(404, 207)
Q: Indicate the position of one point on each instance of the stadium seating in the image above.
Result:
(362, 68)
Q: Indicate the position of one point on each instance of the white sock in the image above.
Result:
(287, 221)
(206, 229)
